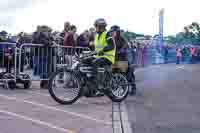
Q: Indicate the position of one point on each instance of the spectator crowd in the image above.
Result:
(135, 52)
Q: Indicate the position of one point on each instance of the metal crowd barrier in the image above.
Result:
(7, 61)
(39, 61)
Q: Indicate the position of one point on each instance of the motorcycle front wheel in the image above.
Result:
(64, 87)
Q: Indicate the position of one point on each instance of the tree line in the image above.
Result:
(189, 36)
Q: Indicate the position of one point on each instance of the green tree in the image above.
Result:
(129, 35)
(190, 35)
(171, 39)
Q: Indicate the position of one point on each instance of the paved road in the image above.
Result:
(167, 100)
(34, 111)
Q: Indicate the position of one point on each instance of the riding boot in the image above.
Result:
(97, 78)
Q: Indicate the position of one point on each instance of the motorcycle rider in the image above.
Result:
(104, 47)
(104, 44)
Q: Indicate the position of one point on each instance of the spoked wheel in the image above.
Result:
(119, 88)
(64, 87)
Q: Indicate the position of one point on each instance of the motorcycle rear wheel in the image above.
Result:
(119, 88)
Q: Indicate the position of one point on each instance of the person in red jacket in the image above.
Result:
(69, 41)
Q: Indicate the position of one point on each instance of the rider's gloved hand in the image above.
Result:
(101, 53)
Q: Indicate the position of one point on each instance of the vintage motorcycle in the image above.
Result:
(79, 79)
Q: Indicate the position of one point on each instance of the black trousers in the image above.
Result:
(131, 77)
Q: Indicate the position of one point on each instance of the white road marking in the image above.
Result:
(40, 93)
(138, 70)
(47, 95)
(39, 122)
(56, 109)
(156, 66)
(180, 67)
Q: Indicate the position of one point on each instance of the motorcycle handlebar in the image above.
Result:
(88, 55)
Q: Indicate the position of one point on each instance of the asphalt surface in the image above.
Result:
(34, 111)
(167, 100)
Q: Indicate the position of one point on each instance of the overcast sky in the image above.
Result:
(140, 16)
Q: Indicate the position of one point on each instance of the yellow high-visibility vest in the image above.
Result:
(100, 43)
